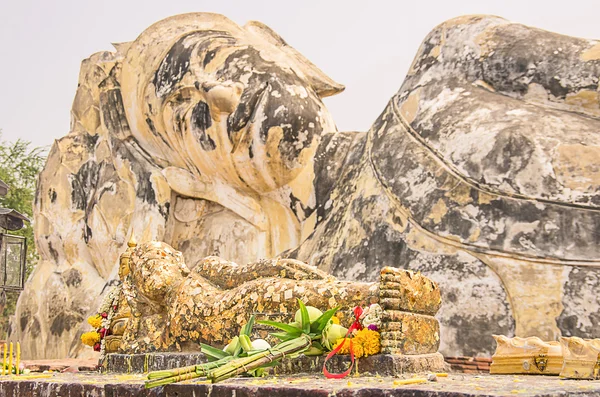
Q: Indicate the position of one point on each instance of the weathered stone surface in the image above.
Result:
(380, 364)
(455, 385)
(408, 291)
(148, 362)
(61, 365)
(480, 174)
(409, 333)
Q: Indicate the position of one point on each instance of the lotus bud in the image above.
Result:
(334, 332)
(230, 348)
(260, 344)
(245, 342)
(313, 314)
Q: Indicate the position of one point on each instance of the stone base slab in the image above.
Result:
(379, 364)
(455, 385)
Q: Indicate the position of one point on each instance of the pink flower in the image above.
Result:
(373, 327)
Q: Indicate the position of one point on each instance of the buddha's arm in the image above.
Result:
(229, 275)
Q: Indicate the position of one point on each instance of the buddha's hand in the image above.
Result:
(298, 270)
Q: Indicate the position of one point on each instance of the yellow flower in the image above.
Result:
(369, 340)
(90, 338)
(335, 320)
(345, 349)
(95, 321)
(365, 343)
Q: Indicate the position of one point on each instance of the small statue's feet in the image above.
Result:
(406, 290)
(409, 301)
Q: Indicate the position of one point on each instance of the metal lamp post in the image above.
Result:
(13, 249)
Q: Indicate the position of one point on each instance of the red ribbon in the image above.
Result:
(355, 325)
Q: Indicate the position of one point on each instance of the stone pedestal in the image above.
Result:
(379, 364)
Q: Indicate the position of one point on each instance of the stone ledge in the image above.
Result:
(140, 363)
(455, 385)
(380, 364)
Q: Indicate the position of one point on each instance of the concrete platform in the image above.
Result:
(455, 385)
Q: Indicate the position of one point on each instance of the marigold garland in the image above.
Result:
(101, 322)
(90, 338)
(365, 343)
(95, 321)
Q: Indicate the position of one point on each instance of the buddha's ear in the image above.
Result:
(319, 81)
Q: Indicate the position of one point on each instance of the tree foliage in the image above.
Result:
(20, 165)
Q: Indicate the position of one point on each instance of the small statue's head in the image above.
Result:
(233, 104)
(125, 258)
(156, 268)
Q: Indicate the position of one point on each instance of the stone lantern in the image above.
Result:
(13, 249)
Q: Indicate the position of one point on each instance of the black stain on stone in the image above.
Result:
(474, 333)
(451, 297)
(72, 278)
(382, 246)
(35, 329)
(52, 195)
(64, 322)
(113, 112)
(200, 123)
(511, 152)
(177, 61)
(83, 183)
(145, 190)
(246, 107)
(557, 89)
(173, 67)
(455, 221)
(87, 233)
(24, 320)
(209, 57)
(580, 317)
(298, 208)
(164, 210)
(53, 252)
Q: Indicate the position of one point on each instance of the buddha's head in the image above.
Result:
(125, 258)
(156, 268)
(228, 103)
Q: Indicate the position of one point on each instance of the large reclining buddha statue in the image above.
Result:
(481, 173)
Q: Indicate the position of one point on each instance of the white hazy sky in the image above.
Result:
(365, 45)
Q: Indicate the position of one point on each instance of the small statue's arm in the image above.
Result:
(227, 275)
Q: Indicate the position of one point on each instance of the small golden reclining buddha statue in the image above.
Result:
(165, 306)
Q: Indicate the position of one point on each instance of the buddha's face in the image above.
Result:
(156, 268)
(124, 266)
(231, 106)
